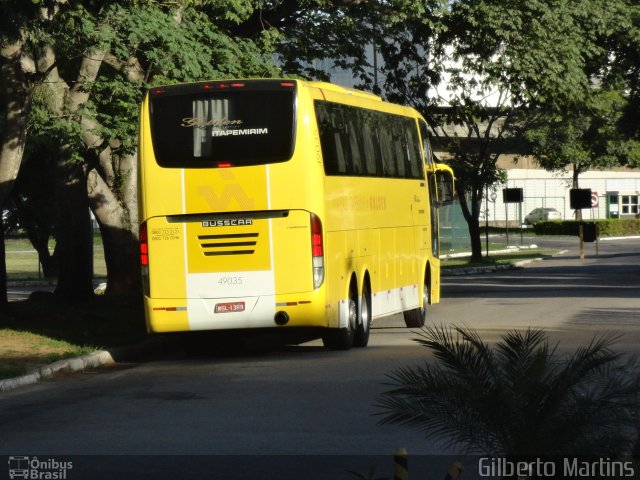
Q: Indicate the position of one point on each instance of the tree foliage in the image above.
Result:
(587, 137)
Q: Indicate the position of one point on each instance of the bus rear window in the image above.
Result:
(219, 127)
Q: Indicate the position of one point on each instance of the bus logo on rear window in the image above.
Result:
(228, 222)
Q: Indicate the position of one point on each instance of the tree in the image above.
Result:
(520, 398)
(585, 138)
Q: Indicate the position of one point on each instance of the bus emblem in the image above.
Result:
(228, 222)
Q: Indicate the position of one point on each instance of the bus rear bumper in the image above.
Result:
(235, 313)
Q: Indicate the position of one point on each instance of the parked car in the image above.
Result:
(542, 215)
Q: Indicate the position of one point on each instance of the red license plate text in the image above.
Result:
(229, 307)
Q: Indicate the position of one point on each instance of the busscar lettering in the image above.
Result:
(228, 222)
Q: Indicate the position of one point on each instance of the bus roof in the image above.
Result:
(345, 90)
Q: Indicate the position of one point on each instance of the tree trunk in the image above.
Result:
(4, 299)
(118, 225)
(473, 224)
(16, 89)
(73, 232)
(472, 216)
(121, 257)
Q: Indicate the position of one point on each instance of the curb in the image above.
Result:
(92, 360)
(456, 272)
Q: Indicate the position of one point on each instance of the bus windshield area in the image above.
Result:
(222, 127)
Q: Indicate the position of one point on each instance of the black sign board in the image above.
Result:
(512, 195)
(580, 198)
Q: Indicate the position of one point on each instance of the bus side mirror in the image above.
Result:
(445, 187)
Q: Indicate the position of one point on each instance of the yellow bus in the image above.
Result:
(284, 204)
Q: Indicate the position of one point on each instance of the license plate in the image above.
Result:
(229, 307)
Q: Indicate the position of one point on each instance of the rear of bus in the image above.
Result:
(230, 208)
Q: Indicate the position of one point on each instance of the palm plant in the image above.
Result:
(520, 398)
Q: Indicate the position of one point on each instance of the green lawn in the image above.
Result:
(23, 351)
(22, 259)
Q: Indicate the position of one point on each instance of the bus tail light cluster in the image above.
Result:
(317, 251)
(144, 258)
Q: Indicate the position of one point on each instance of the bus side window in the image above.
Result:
(325, 130)
(331, 130)
(399, 150)
(371, 146)
(340, 152)
(388, 161)
(361, 142)
(356, 155)
(413, 151)
(426, 145)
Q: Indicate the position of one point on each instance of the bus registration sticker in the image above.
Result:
(229, 307)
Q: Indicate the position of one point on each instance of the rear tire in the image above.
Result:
(343, 338)
(417, 317)
(361, 337)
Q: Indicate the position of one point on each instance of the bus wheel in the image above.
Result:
(343, 338)
(417, 317)
(361, 337)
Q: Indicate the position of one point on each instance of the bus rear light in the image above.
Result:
(317, 251)
(224, 165)
(144, 245)
(209, 86)
(144, 258)
(287, 84)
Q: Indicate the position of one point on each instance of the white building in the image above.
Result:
(615, 194)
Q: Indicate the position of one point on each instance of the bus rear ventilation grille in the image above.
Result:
(228, 244)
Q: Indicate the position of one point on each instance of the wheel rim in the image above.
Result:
(353, 314)
(425, 300)
(364, 312)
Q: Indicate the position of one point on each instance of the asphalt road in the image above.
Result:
(313, 405)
